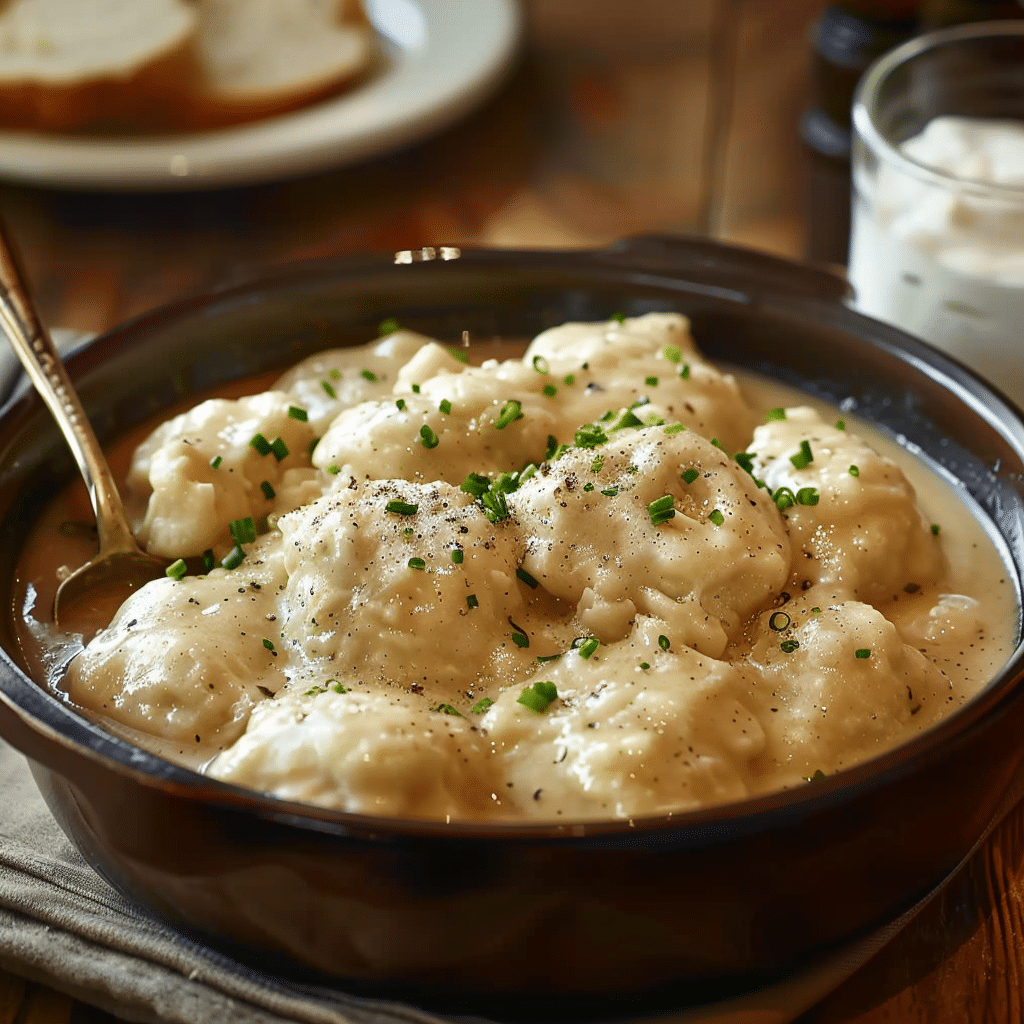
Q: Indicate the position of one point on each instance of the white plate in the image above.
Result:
(442, 57)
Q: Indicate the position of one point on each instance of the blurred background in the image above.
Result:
(727, 118)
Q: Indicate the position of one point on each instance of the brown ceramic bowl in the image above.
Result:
(501, 919)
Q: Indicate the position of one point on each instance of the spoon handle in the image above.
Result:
(38, 355)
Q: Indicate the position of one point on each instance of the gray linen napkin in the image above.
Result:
(61, 924)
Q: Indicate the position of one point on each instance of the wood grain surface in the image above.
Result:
(684, 120)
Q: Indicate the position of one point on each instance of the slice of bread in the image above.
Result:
(66, 63)
(260, 57)
(145, 66)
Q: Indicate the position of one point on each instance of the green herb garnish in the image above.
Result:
(539, 696)
(401, 508)
(511, 411)
(177, 570)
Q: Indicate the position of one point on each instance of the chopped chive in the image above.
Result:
(401, 508)
(717, 517)
(610, 492)
(460, 354)
(234, 558)
(268, 644)
(334, 469)
(329, 388)
(550, 390)
(588, 487)
(387, 326)
(661, 509)
(243, 531)
(400, 404)
(540, 364)
(261, 444)
(684, 371)
(663, 642)
(598, 464)
(569, 379)
(808, 496)
(590, 436)
(334, 373)
(840, 424)
(476, 484)
(511, 411)
(407, 533)
(645, 665)
(177, 570)
(445, 709)
(415, 389)
(215, 462)
(315, 691)
(481, 706)
(778, 413)
(458, 555)
(689, 475)
(416, 563)
(495, 506)
(627, 419)
(862, 652)
(367, 374)
(854, 471)
(651, 382)
(549, 657)
(445, 407)
(675, 428)
(789, 646)
(818, 776)
(522, 574)
(784, 498)
(428, 438)
(279, 449)
(935, 529)
(519, 637)
(472, 602)
(339, 687)
(208, 559)
(296, 413)
(586, 646)
(804, 457)
(268, 490)
(619, 318)
(672, 353)
(746, 461)
(539, 696)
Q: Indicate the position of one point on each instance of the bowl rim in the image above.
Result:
(55, 722)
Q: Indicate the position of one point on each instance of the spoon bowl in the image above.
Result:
(120, 566)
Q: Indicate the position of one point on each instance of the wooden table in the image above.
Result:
(682, 120)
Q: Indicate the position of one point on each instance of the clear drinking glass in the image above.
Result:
(937, 233)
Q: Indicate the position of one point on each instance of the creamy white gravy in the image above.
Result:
(641, 623)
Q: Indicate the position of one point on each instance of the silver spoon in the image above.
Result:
(120, 566)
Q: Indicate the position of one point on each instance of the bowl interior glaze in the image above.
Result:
(506, 919)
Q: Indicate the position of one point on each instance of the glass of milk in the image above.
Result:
(937, 233)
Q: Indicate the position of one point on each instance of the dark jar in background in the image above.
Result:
(846, 39)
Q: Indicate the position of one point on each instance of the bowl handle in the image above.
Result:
(707, 261)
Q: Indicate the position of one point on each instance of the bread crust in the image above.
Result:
(174, 89)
